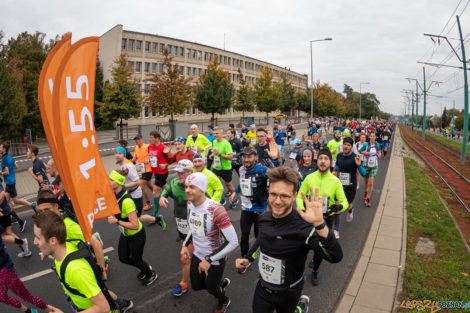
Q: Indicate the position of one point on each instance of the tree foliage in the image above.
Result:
(99, 85)
(121, 100)
(287, 94)
(170, 92)
(266, 95)
(245, 98)
(214, 91)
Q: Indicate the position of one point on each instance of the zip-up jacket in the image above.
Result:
(259, 187)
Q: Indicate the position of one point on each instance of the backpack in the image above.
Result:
(85, 252)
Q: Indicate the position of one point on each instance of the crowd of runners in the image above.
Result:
(291, 189)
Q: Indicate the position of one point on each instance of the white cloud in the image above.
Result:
(374, 41)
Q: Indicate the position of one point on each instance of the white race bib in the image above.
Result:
(245, 186)
(325, 205)
(293, 155)
(122, 230)
(288, 134)
(217, 161)
(371, 162)
(197, 224)
(140, 167)
(385, 138)
(193, 148)
(246, 203)
(344, 178)
(272, 270)
(153, 161)
(182, 225)
(253, 141)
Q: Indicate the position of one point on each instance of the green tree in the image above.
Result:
(27, 52)
(170, 92)
(99, 85)
(214, 91)
(266, 96)
(245, 98)
(329, 102)
(121, 100)
(302, 102)
(287, 94)
(445, 118)
(12, 100)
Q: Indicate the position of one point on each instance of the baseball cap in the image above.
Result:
(199, 156)
(197, 179)
(183, 166)
(248, 151)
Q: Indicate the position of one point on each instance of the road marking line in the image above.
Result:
(48, 271)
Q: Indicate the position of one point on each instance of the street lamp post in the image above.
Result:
(360, 97)
(311, 73)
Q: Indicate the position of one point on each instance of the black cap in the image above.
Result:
(326, 152)
(138, 136)
(231, 125)
(348, 140)
(248, 151)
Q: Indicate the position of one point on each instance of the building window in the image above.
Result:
(188, 53)
(162, 46)
(188, 111)
(123, 44)
(147, 67)
(160, 68)
(210, 56)
(131, 65)
(154, 47)
(175, 51)
(205, 56)
(194, 71)
(188, 71)
(146, 112)
(130, 45)
(225, 60)
(137, 87)
(194, 110)
(199, 55)
(181, 52)
(146, 89)
(138, 45)
(138, 67)
(194, 54)
(170, 47)
(199, 72)
(181, 70)
(147, 46)
(154, 68)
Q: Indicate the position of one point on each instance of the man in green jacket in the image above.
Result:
(330, 186)
(215, 189)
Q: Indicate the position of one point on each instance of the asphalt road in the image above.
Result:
(162, 252)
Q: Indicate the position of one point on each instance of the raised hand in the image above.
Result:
(313, 208)
(273, 151)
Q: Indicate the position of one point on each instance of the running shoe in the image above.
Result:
(336, 233)
(315, 281)
(125, 305)
(22, 226)
(234, 203)
(243, 270)
(148, 206)
(179, 290)
(142, 276)
(149, 280)
(161, 222)
(302, 306)
(227, 194)
(223, 308)
(26, 252)
(365, 196)
(222, 201)
(349, 217)
(225, 282)
(367, 202)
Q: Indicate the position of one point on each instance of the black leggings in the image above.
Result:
(131, 249)
(317, 258)
(212, 282)
(282, 302)
(246, 220)
(139, 205)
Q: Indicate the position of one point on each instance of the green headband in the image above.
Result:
(118, 178)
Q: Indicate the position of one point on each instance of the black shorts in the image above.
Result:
(350, 193)
(11, 189)
(5, 221)
(226, 175)
(160, 179)
(147, 176)
(181, 235)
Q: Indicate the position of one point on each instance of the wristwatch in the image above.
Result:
(208, 259)
(321, 226)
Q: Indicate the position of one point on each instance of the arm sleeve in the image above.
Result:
(328, 247)
(222, 221)
(188, 240)
(253, 252)
(167, 192)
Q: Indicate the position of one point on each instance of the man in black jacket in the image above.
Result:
(284, 240)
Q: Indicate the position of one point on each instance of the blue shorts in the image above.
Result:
(386, 144)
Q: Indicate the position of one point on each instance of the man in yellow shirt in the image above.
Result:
(198, 143)
(251, 135)
(142, 164)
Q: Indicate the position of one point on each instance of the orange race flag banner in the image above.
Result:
(70, 129)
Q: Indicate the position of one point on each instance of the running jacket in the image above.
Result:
(215, 189)
(257, 201)
(175, 190)
(335, 145)
(210, 231)
(329, 184)
(287, 241)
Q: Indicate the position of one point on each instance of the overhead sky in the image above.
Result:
(374, 41)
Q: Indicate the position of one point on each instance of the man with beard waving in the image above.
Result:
(284, 240)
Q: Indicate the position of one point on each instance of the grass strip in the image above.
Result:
(450, 142)
(442, 276)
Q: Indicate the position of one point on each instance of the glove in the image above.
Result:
(335, 208)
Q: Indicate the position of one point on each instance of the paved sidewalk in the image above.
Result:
(375, 282)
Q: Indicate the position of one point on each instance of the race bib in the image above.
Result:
(197, 224)
(246, 203)
(245, 186)
(253, 141)
(292, 155)
(182, 225)
(315, 154)
(217, 161)
(122, 230)
(153, 161)
(272, 270)
(371, 162)
(140, 167)
(385, 138)
(193, 148)
(326, 205)
(288, 134)
(345, 178)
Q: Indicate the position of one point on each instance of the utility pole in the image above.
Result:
(424, 101)
(452, 120)
(417, 101)
(311, 72)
